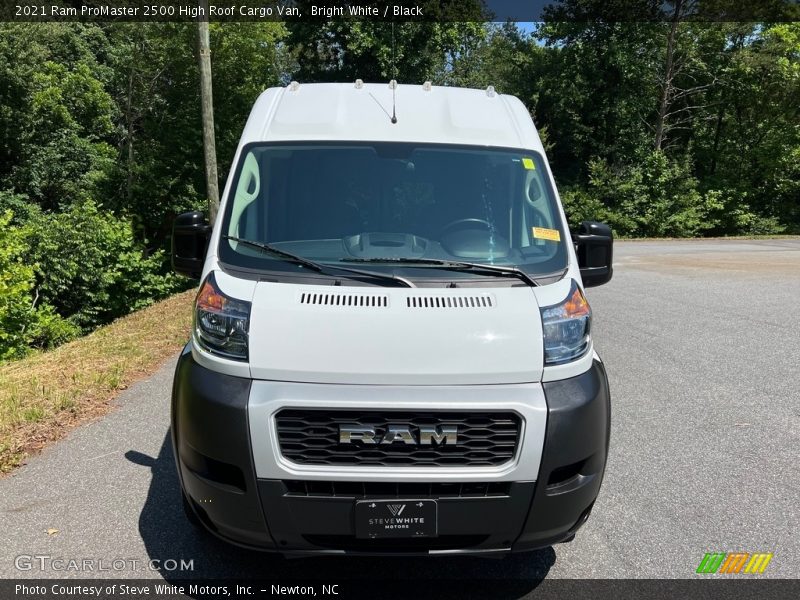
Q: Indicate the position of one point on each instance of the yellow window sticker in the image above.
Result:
(541, 233)
(528, 163)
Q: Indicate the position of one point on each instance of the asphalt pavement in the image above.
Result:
(701, 340)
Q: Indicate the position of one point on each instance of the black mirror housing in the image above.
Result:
(594, 245)
(190, 235)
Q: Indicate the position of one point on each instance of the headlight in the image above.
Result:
(221, 322)
(566, 328)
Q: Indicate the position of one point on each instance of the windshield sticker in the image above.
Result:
(528, 163)
(541, 233)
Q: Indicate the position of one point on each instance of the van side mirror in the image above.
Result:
(594, 246)
(190, 235)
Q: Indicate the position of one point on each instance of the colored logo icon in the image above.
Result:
(734, 562)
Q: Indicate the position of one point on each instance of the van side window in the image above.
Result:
(246, 213)
(537, 209)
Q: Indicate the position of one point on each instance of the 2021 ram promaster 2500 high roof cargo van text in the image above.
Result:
(391, 348)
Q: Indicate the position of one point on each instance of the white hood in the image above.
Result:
(374, 335)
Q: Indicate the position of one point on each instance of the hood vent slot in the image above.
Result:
(353, 300)
(482, 301)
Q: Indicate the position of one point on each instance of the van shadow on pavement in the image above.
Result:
(167, 534)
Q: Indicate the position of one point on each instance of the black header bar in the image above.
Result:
(399, 10)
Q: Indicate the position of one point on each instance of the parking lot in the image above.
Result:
(701, 340)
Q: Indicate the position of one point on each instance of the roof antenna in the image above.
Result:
(394, 80)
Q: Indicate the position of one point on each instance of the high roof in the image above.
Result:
(433, 114)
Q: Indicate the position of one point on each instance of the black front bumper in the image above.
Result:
(212, 447)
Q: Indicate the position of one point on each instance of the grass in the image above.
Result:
(46, 394)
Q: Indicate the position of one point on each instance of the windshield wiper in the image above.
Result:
(454, 265)
(314, 266)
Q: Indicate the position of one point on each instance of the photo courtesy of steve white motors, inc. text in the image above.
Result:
(195, 590)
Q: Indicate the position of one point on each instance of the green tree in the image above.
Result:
(498, 55)
(25, 321)
(159, 172)
(655, 196)
(759, 138)
(375, 51)
(89, 267)
(596, 91)
(56, 115)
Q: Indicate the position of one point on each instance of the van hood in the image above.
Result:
(407, 336)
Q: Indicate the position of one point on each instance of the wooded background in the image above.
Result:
(658, 128)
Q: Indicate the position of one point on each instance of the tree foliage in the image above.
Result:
(657, 197)
(99, 148)
(89, 267)
(24, 322)
(723, 108)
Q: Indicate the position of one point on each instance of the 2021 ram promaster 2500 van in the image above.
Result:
(392, 348)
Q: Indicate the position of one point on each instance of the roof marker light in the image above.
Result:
(294, 86)
(426, 86)
(359, 84)
(490, 91)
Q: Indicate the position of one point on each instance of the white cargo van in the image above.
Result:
(392, 350)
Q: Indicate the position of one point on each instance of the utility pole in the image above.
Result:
(668, 89)
(207, 103)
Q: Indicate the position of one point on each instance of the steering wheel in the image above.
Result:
(462, 223)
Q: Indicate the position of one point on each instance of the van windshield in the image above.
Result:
(384, 203)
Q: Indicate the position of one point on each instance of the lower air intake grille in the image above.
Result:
(393, 546)
(401, 489)
(311, 437)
